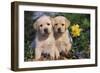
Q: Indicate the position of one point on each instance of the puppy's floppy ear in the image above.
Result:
(67, 23)
(35, 25)
(52, 21)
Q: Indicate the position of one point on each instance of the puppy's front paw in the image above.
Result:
(39, 59)
(51, 58)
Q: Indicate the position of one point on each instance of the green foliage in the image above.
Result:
(80, 45)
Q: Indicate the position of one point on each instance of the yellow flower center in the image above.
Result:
(75, 30)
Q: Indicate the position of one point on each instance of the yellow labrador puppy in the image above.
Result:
(61, 34)
(45, 41)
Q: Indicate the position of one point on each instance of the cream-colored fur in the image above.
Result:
(61, 34)
(45, 42)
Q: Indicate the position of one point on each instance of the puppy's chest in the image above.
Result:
(61, 43)
(46, 44)
(62, 40)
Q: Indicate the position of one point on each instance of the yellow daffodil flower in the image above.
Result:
(75, 30)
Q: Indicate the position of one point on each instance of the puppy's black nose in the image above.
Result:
(46, 30)
(59, 29)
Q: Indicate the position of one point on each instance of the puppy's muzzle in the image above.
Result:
(59, 30)
(46, 30)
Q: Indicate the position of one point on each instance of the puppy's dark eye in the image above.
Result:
(41, 25)
(62, 24)
(48, 24)
(56, 24)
